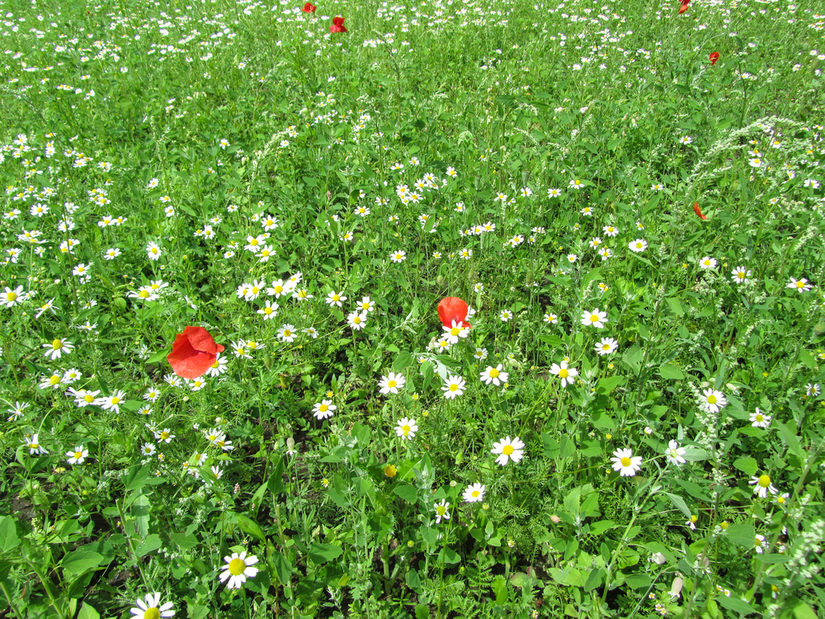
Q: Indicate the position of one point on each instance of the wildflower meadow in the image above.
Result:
(425, 308)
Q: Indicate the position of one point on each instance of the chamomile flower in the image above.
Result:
(675, 454)
(442, 511)
(77, 455)
(335, 299)
(457, 330)
(606, 346)
(324, 409)
(595, 318)
(637, 245)
(151, 608)
(564, 372)
(740, 275)
(34, 446)
(495, 375)
(762, 485)
(391, 383)
(398, 256)
(406, 428)
(153, 252)
(505, 315)
(287, 333)
(712, 401)
(237, 568)
(508, 449)
(759, 420)
(707, 263)
(800, 285)
(357, 320)
(625, 463)
(474, 493)
(453, 387)
(57, 347)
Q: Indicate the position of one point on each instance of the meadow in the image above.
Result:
(488, 308)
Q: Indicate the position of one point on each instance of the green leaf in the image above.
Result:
(747, 465)
(803, 611)
(8, 534)
(679, 503)
(150, 544)
(632, 358)
(790, 438)
(321, 552)
(742, 534)
(609, 383)
(670, 371)
(249, 526)
(735, 604)
(159, 356)
(449, 556)
(407, 492)
(78, 562)
(594, 579)
(88, 611)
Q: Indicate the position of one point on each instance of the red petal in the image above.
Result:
(193, 352)
(698, 211)
(452, 309)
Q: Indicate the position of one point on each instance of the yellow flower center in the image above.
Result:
(594, 318)
(54, 379)
(711, 399)
(115, 400)
(11, 296)
(563, 373)
(406, 429)
(357, 320)
(365, 306)
(800, 284)
(151, 613)
(475, 494)
(336, 298)
(89, 398)
(164, 435)
(57, 344)
(759, 418)
(625, 461)
(391, 384)
(455, 331)
(454, 387)
(143, 294)
(236, 567)
(34, 445)
(740, 275)
(494, 373)
(78, 455)
(323, 408)
(287, 333)
(757, 541)
(279, 289)
(440, 510)
(764, 481)
(508, 450)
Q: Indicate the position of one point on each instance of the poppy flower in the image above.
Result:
(698, 211)
(193, 352)
(684, 6)
(337, 25)
(309, 8)
(453, 309)
(713, 58)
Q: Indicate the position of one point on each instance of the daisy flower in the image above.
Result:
(287, 333)
(762, 485)
(707, 263)
(759, 420)
(453, 387)
(712, 401)
(567, 374)
(457, 330)
(237, 568)
(324, 409)
(637, 245)
(442, 511)
(150, 607)
(56, 348)
(335, 299)
(507, 450)
(740, 275)
(474, 493)
(398, 256)
(801, 285)
(494, 375)
(675, 454)
(606, 346)
(406, 428)
(34, 446)
(596, 318)
(625, 463)
(391, 383)
(356, 320)
(506, 315)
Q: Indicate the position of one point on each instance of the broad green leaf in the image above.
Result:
(150, 544)
(407, 492)
(747, 465)
(80, 561)
(322, 552)
(609, 383)
(742, 534)
(679, 503)
(670, 371)
(735, 604)
(8, 534)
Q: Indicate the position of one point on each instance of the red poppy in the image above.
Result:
(713, 58)
(453, 309)
(193, 352)
(684, 6)
(308, 8)
(337, 25)
(698, 211)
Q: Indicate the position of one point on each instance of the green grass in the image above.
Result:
(194, 123)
